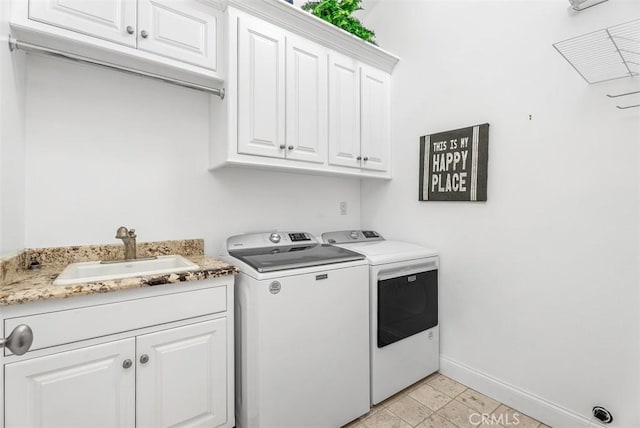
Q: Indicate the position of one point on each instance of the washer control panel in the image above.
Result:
(346, 236)
(275, 238)
(299, 237)
(270, 239)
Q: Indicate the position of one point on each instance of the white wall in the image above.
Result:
(12, 161)
(106, 149)
(539, 285)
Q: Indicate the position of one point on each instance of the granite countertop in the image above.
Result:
(22, 285)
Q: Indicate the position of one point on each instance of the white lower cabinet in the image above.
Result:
(182, 376)
(87, 387)
(176, 374)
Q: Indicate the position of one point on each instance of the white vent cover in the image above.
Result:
(607, 54)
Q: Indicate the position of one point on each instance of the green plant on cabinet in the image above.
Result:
(339, 13)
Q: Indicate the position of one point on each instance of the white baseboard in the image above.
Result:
(530, 404)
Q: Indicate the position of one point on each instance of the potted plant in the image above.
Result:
(339, 13)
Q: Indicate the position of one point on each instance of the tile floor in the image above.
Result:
(440, 402)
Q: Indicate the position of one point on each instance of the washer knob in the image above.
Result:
(353, 235)
(274, 237)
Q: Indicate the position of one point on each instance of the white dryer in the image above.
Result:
(302, 331)
(404, 336)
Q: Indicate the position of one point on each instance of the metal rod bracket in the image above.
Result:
(12, 43)
(623, 95)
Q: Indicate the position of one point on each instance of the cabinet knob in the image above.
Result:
(366, 158)
(359, 158)
(290, 147)
(144, 359)
(282, 146)
(19, 341)
(127, 363)
(144, 34)
(130, 29)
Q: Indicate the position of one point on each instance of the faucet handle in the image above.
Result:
(122, 232)
(132, 233)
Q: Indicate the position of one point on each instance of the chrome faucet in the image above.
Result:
(129, 239)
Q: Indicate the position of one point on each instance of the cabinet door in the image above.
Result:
(182, 381)
(375, 115)
(87, 387)
(344, 111)
(106, 19)
(307, 98)
(184, 30)
(261, 90)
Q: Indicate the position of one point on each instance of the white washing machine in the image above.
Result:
(404, 336)
(302, 332)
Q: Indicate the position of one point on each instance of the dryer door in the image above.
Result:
(407, 305)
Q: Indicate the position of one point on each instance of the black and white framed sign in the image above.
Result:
(453, 165)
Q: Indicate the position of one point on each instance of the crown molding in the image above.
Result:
(296, 20)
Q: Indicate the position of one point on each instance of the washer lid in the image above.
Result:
(282, 258)
(269, 252)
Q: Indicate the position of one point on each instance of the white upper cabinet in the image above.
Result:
(344, 111)
(113, 20)
(282, 93)
(183, 30)
(375, 114)
(359, 108)
(301, 97)
(261, 88)
(306, 102)
(171, 39)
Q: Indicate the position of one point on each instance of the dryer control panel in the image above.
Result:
(346, 236)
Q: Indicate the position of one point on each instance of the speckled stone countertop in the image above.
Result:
(21, 285)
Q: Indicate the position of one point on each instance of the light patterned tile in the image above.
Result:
(510, 417)
(354, 424)
(421, 382)
(491, 424)
(384, 419)
(409, 410)
(435, 421)
(391, 399)
(461, 415)
(446, 385)
(430, 397)
(478, 401)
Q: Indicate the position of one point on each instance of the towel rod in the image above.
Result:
(28, 47)
(622, 95)
(626, 107)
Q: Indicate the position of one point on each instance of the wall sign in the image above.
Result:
(453, 165)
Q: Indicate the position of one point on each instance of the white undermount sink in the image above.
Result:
(76, 273)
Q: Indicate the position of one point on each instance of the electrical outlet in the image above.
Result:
(343, 208)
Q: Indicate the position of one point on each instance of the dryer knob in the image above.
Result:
(274, 237)
(353, 235)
